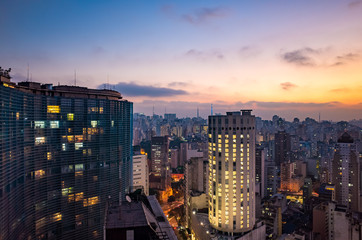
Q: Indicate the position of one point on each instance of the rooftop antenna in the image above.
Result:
(31, 77)
(27, 76)
(198, 112)
(212, 111)
(153, 110)
(75, 77)
(319, 117)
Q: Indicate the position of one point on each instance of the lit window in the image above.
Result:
(39, 124)
(53, 109)
(54, 124)
(64, 147)
(94, 123)
(70, 138)
(71, 198)
(39, 140)
(49, 156)
(90, 201)
(79, 167)
(79, 196)
(57, 217)
(70, 116)
(78, 138)
(39, 174)
(78, 146)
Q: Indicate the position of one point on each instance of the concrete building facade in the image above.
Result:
(140, 173)
(232, 172)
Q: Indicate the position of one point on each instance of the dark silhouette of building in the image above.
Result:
(282, 147)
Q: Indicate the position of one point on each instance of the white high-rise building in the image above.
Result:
(232, 172)
(140, 173)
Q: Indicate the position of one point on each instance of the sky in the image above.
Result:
(287, 58)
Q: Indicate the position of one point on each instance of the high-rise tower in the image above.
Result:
(232, 172)
(65, 152)
(345, 172)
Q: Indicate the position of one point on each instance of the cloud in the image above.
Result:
(136, 90)
(354, 4)
(322, 57)
(249, 51)
(287, 85)
(212, 54)
(345, 58)
(339, 90)
(301, 57)
(178, 84)
(202, 15)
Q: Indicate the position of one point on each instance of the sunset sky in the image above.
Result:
(290, 58)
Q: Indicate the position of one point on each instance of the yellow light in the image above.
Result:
(70, 116)
(57, 217)
(53, 109)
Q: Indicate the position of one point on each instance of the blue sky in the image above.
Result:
(230, 53)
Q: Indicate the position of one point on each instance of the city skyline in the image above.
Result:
(296, 59)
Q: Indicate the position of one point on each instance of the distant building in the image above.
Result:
(160, 164)
(272, 215)
(327, 192)
(332, 221)
(272, 180)
(170, 116)
(174, 158)
(259, 170)
(282, 147)
(346, 174)
(196, 185)
(140, 173)
(292, 176)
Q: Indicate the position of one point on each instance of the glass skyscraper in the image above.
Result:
(65, 152)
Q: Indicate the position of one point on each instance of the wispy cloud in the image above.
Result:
(340, 90)
(301, 57)
(249, 51)
(287, 86)
(203, 15)
(178, 84)
(204, 55)
(345, 58)
(136, 90)
(322, 57)
(354, 4)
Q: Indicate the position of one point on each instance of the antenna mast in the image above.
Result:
(75, 77)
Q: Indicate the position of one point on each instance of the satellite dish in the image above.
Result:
(128, 199)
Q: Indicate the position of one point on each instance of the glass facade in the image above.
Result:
(65, 151)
